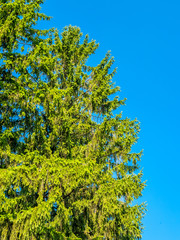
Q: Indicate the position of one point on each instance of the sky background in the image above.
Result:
(144, 38)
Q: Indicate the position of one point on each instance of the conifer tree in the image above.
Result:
(67, 170)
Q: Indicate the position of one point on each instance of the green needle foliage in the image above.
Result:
(67, 170)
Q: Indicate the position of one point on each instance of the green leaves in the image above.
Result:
(67, 170)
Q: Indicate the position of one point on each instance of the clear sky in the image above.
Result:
(144, 38)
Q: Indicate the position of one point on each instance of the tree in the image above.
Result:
(66, 166)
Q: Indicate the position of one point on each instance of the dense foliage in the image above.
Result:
(67, 170)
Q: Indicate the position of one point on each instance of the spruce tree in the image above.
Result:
(67, 170)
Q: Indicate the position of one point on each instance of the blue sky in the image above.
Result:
(144, 38)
